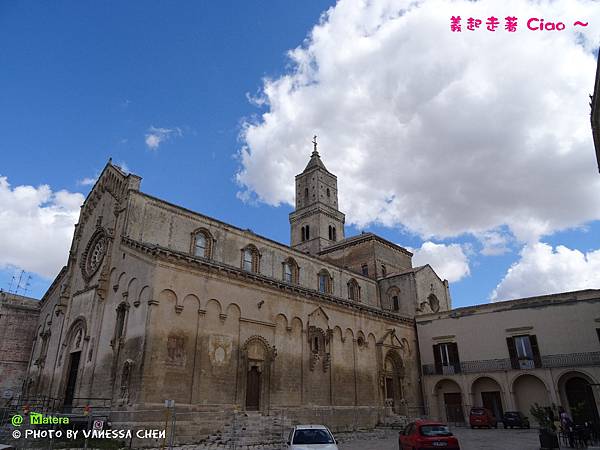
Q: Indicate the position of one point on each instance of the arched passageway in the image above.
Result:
(529, 390)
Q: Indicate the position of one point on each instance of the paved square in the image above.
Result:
(478, 439)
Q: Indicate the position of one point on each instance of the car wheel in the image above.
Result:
(472, 427)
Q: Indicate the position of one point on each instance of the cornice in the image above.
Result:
(175, 257)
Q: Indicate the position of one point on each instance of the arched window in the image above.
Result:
(391, 300)
(202, 243)
(306, 193)
(364, 269)
(332, 234)
(305, 233)
(120, 323)
(250, 258)
(383, 270)
(328, 193)
(325, 282)
(290, 271)
(353, 290)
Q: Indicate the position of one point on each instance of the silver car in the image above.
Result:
(311, 437)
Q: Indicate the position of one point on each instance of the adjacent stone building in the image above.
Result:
(509, 355)
(18, 322)
(159, 302)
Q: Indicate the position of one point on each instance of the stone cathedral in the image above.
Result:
(159, 302)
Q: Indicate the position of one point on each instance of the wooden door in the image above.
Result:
(72, 378)
(253, 389)
(389, 388)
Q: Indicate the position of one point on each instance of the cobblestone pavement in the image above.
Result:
(478, 439)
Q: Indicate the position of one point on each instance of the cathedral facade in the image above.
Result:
(158, 302)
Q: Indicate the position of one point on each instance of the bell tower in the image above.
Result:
(316, 223)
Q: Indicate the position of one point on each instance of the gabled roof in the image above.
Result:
(595, 114)
(364, 236)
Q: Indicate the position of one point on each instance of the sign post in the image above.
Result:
(169, 404)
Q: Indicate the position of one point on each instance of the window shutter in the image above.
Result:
(437, 358)
(512, 352)
(454, 359)
(537, 359)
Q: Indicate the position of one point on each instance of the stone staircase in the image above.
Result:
(251, 428)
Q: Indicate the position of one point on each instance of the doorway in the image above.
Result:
(493, 402)
(581, 400)
(72, 378)
(253, 389)
(389, 388)
(454, 409)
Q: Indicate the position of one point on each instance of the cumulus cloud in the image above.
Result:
(441, 133)
(448, 261)
(36, 227)
(156, 136)
(543, 269)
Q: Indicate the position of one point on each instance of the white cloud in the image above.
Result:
(442, 133)
(87, 181)
(448, 261)
(494, 242)
(36, 227)
(156, 136)
(542, 269)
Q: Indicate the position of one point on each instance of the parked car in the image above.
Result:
(482, 417)
(311, 437)
(513, 419)
(426, 434)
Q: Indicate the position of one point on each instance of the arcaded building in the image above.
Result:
(509, 355)
(159, 302)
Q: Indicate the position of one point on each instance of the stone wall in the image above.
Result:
(18, 323)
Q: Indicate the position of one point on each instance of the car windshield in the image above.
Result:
(312, 436)
(478, 412)
(435, 430)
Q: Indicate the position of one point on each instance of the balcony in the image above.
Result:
(505, 364)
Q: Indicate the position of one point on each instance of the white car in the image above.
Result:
(311, 437)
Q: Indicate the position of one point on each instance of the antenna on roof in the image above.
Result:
(27, 285)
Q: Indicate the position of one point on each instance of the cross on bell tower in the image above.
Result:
(316, 222)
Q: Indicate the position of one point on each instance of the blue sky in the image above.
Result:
(84, 81)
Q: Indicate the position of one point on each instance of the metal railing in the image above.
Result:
(503, 364)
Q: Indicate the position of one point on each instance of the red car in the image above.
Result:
(426, 434)
(482, 417)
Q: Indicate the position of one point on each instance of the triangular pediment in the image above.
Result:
(319, 319)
